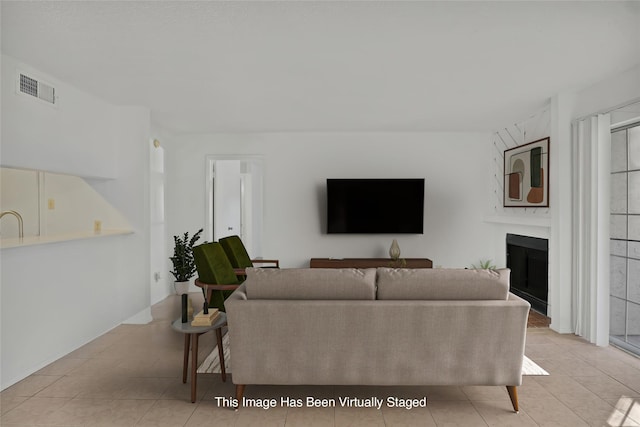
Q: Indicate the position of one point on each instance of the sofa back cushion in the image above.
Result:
(311, 283)
(442, 284)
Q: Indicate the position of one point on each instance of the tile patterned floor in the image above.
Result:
(131, 376)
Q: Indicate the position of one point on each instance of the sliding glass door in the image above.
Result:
(625, 238)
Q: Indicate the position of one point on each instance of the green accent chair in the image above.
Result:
(239, 257)
(216, 276)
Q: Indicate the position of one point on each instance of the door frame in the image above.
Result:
(258, 207)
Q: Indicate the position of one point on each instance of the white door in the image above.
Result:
(227, 212)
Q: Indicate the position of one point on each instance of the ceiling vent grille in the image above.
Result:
(40, 90)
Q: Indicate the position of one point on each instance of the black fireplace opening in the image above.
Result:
(528, 259)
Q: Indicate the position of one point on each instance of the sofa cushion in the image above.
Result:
(442, 284)
(311, 283)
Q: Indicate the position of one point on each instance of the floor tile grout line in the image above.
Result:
(613, 408)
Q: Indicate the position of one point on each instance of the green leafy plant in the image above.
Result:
(184, 266)
(484, 264)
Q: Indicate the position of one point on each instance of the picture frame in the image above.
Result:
(526, 175)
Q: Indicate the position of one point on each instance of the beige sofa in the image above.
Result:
(377, 327)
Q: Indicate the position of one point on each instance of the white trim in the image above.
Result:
(633, 122)
(602, 285)
(142, 318)
(591, 147)
(608, 110)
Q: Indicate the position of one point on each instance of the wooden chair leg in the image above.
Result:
(239, 393)
(513, 395)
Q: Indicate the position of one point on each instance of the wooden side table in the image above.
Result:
(191, 335)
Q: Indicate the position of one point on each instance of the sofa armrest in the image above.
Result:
(240, 294)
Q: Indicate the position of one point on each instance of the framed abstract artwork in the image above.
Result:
(526, 175)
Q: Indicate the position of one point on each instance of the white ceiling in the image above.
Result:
(212, 66)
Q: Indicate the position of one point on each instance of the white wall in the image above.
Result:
(296, 167)
(75, 137)
(56, 297)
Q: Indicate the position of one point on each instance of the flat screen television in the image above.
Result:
(371, 206)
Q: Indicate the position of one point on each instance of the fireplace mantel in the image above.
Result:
(519, 220)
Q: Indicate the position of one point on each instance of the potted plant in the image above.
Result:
(184, 266)
(484, 264)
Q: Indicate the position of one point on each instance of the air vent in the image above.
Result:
(40, 90)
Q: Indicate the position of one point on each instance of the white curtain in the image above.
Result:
(591, 154)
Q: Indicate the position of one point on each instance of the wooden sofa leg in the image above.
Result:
(239, 394)
(513, 395)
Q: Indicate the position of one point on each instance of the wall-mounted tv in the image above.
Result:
(373, 206)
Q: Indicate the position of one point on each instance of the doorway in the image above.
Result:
(235, 200)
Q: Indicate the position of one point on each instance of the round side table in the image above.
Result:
(191, 335)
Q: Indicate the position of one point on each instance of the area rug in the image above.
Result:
(211, 364)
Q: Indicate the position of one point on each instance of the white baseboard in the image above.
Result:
(142, 318)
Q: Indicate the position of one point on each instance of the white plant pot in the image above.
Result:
(181, 287)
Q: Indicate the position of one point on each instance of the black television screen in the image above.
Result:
(375, 205)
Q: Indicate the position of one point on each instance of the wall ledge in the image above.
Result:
(56, 238)
(519, 220)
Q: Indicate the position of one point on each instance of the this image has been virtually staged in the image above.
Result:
(314, 402)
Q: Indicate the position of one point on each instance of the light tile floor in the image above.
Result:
(131, 376)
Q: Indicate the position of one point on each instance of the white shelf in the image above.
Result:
(43, 240)
(519, 220)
